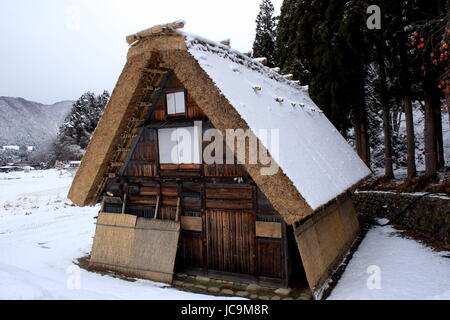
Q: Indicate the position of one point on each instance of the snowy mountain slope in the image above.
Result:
(24, 122)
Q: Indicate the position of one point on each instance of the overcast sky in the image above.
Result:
(53, 50)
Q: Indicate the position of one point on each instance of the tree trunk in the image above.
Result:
(409, 116)
(357, 120)
(439, 137)
(389, 168)
(365, 144)
(430, 138)
(411, 156)
(388, 164)
(361, 135)
(447, 98)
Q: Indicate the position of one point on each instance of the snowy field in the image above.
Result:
(41, 235)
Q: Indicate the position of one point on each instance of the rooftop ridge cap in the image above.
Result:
(157, 29)
(275, 76)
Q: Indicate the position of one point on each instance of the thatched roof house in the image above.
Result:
(316, 165)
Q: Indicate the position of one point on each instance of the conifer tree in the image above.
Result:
(264, 45)
(74, 135)
(362, 78)
(295, 35)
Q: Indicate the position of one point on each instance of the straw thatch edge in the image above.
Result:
(172, 50)
(102, 145)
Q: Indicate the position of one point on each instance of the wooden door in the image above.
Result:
(230, 241)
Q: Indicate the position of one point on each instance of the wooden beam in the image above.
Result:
(269, 229)
(150, 70)
(164, 66)
(226, 42)
(134, 119)
(276, 69)
(116, 164)
(262, 60)
(127, 135)
(191, 223)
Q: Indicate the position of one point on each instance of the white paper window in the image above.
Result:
(179, 145)
(176, 103)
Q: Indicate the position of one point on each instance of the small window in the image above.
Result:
(179, 145)
(176, 103)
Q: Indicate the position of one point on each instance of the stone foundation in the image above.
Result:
(218, 287)
(429, 214)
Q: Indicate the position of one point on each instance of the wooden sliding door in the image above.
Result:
(230, 241)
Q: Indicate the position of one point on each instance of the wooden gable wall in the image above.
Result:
(227, 223)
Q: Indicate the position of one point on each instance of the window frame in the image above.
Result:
(193, 156)
(166, 107)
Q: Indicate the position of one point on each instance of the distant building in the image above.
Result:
(15, 148)
(72, 167)
(7, 169)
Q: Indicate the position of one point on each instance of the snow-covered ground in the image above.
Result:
(387, 266)
(41, 235)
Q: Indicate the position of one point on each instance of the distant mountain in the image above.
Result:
(29, 123)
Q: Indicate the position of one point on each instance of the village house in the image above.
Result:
(284, 219)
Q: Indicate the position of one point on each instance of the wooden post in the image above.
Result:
(156, 208)
(177, 216)
(102, 205)
(124, 201)
(285, 256)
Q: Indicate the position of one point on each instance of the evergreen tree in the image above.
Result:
(366, 79)
(74, 135)
(295, 36)
(264, 45)
(320, 42)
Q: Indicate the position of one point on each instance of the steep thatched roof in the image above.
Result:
(316, 164)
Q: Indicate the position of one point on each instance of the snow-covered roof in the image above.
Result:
(316, 164)
(312, 153)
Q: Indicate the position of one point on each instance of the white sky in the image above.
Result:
(54, 50)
